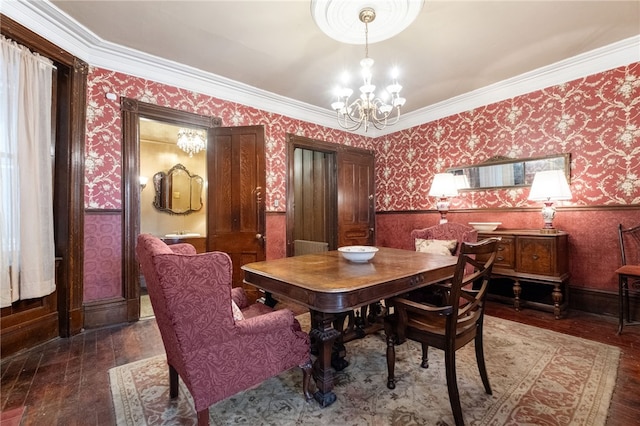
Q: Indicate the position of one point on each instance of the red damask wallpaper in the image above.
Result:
(103, 152)
(596, 119)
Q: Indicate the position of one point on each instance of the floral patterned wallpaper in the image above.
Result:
(103, 140)
(596, 119)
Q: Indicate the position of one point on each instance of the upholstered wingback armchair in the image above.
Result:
(215, 351)
(444, 238)
(448, 231)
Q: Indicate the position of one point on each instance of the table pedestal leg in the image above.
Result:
(324, 335)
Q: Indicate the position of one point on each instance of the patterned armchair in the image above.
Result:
(444, 238)
(448, 231)
(215, 351)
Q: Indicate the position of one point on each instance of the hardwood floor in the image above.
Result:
(65, 381)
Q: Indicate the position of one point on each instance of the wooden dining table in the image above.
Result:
(330, 286)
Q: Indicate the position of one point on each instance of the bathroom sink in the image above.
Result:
(185, 235)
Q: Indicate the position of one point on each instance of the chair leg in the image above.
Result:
(626, 304)
(425, 356)
(481, 364)
(203, 417)
(452, 385)
(306, 380)
(173, 382)
(391, 354)
(620, 303)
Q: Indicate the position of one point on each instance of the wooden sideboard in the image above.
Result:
(531, 256)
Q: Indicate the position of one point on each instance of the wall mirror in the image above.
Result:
(503, 172)
(178, 191)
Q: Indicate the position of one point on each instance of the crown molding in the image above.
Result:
(43, 18)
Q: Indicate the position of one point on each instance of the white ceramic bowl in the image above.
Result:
(485, 226)
(358, 254)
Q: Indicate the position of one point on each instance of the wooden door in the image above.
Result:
(356, 197)
(236, 189)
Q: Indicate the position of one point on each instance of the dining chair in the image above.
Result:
(215, 340)
(448, 327)
(628, 273)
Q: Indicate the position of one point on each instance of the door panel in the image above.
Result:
(356, 193)
(236, 215)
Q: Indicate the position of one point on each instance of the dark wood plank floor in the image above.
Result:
(65, 381)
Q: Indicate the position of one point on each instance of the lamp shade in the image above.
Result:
(443, 186)
(550, 185)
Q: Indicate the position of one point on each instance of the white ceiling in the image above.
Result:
(453, 48)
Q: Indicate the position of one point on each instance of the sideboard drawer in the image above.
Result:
(505, 255)
(505, 258)
(536, 255)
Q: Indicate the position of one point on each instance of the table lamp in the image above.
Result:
(549, 186)
(443, 187)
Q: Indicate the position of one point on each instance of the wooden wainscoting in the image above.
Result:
(601, 302)
(27, 323)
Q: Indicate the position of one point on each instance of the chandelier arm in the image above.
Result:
(355, 126)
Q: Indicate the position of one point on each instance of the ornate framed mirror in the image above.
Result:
(503, 172)
(178, 191)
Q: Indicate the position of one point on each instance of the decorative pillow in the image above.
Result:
(237, 313)
(446, 247)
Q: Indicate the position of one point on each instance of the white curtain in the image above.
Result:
(27, 255)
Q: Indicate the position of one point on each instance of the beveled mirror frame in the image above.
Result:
(524, 167)
(164, 191)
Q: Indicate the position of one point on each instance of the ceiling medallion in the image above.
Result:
(339, 19)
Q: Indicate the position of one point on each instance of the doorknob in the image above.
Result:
(260, 237)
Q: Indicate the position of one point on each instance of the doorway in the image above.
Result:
(330, 193)
(235, 172)
(133, 114)
(173, 199)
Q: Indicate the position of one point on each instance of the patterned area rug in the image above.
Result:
(538, 377)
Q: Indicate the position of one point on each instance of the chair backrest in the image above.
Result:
(188, 292)
(471, 287)
(629, 244)
(447, 231)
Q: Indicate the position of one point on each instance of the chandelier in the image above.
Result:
(368, 109)
(191, 141)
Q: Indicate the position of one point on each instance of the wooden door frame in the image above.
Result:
(294, 142)
(68, 198)
(132, 110)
